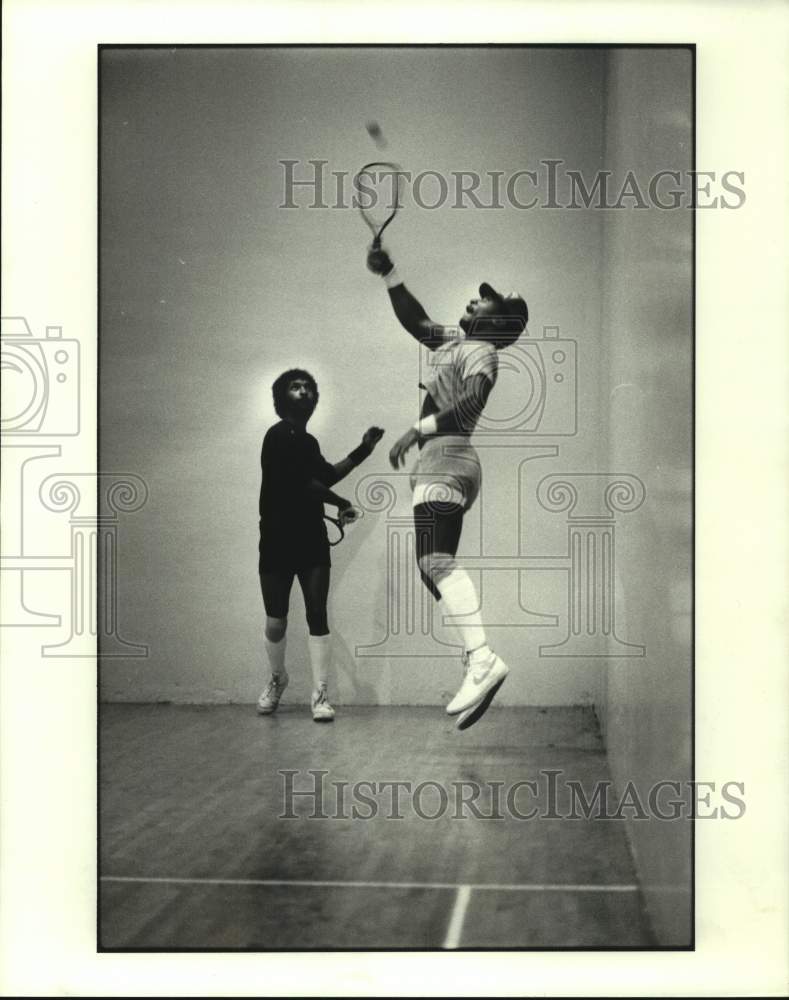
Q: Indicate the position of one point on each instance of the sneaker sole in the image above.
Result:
(493, 682)
(266, 711)
(325, 718)
(475, 713)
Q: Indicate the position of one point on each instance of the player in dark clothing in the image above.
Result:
(296, 483)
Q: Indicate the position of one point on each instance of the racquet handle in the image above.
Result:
(377, 243)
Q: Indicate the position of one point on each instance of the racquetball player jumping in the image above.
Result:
(446, 478)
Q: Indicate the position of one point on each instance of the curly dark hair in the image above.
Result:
(280, 388)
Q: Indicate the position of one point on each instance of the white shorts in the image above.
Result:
(447, 471)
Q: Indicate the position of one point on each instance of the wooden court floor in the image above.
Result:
(196, 852)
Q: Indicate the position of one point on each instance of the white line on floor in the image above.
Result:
(455, 928)
(337, 884)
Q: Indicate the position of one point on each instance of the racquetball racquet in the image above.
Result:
(378, 196)
(349, 516)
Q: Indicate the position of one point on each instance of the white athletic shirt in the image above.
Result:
(455, 361)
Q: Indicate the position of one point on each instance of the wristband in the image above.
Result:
(358, 455)
(392, 278)
(426, 426)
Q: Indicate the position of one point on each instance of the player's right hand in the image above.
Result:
(401, 446)
(379, 261)
(371, 437)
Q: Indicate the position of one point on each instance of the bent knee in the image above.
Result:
(436, 565)
(276, 628)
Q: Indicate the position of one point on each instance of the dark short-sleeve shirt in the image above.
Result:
(292, 530)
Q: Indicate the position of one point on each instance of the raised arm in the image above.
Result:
(370, 439)
(406, 307)
(325, 474)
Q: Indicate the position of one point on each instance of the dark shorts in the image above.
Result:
(291, 552)
(438, 528)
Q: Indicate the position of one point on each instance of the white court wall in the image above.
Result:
(209, 290)
(648, 361)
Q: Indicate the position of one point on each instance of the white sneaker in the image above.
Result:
(479, 680)
(268, 701)
(475, 713)
(321, 709)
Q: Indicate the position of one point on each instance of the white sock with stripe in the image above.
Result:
(459, 596)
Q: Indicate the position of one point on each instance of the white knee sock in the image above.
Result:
(275, 651)
(445, 617)
(460, 599)
(320, 657)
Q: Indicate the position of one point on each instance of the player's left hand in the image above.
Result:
(401, 447)
(372, 436)
(350, 514)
